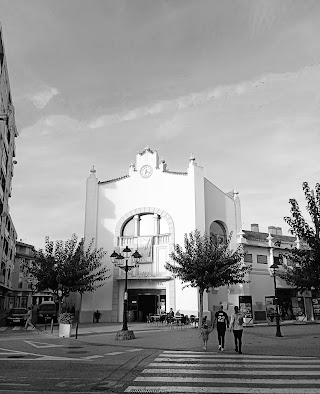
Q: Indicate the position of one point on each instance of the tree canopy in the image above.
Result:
(203, 263)
(70, 266)
(304, 269)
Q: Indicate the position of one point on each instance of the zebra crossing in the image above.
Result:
(14, 328)
(210, 372)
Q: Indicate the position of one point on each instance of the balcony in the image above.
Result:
(144, 241)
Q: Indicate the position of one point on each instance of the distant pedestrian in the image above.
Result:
(222, 320)
(205, 331)
(97, 315)
(29, 319)
(236, 324)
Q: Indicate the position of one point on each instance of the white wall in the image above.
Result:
(191, 201)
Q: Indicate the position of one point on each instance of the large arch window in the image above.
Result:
(218, 231)
(145, 224)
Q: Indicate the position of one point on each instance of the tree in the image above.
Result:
(203, 263)
(67, 266)
(304, 269)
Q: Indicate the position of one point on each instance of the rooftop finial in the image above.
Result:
(192, 158)
(93, 170)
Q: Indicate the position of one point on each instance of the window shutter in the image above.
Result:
(248, 258)
(262, 259)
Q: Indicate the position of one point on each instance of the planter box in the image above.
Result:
(65, 330)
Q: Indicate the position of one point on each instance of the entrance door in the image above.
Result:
(147, 305)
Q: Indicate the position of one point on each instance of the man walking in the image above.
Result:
(29, 319)
(236, 325)
(222, 322)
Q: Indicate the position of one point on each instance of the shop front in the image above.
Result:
(145, 302)
(316, 304)
(300, 307)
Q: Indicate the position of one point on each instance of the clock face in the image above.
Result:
(146, 171)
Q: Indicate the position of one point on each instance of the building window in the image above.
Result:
(3, 269)
(19, 285)
(146, 226)
(248, 258)
(277, 260)
(218, 231)
(262, 259)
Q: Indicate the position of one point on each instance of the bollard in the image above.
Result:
(51, 326)
(77, 325)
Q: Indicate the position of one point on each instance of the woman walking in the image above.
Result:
(236, 324)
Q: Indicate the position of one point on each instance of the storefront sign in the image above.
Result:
(245, 306)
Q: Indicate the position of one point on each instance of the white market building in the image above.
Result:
(150, 209)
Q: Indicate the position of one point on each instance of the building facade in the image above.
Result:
(8, 133)
(20, 294)
(258, 296)
(149, 210)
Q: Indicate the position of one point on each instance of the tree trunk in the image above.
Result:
(200, 307)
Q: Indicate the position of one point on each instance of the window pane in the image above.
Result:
(146, 224)
(248, 258)
(128, 229)
(262, 259)
(217, 229)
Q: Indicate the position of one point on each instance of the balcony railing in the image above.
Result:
(135, 241)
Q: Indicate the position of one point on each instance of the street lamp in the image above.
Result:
(275, 267)
(121, 262)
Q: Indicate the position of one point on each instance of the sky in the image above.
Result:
(236, 83)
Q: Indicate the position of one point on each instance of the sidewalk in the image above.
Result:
(298, 340)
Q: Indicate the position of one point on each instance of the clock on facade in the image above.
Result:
(146, 171)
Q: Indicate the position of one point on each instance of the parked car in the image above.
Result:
(47, 309)
(17, 316)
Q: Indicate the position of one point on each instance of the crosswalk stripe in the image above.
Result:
(16, 328)
(113, 353)
(195, 372)
(233, 372)
(235, 359)
(211, 355)
(247, 365)
(226, 355)
(219, 390)
(179, 379)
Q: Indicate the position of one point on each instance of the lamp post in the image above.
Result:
(275, 267)
(121, 262)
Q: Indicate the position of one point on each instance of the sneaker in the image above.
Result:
(219, 347)
(32, 328)
(222, 349)
(236, 349)
(204, 348)
(240, 352)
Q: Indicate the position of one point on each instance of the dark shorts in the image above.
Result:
(221, 329)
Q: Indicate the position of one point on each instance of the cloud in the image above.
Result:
(196, 99)
(54, 124)
(42, 98)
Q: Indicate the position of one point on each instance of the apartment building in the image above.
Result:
(8, 133)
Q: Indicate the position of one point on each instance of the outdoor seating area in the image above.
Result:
(179, 321)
